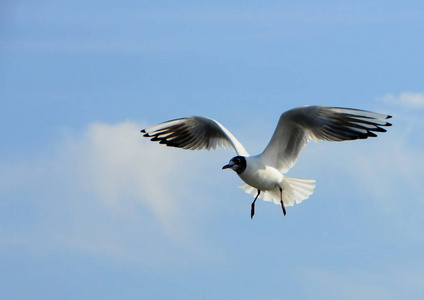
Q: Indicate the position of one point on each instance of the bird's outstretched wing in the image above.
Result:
(298, 126)
(194, 133)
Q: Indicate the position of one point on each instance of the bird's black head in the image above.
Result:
(237, 164)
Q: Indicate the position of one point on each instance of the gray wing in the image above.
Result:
(298, 126)
(194, 133)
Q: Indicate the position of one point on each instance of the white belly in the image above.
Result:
(261, 176)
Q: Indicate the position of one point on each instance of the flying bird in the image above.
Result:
(264, 174)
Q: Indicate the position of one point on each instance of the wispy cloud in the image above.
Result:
(408, 100)
(105, 191)
(393, 176)
(108, 192)
(385, 173)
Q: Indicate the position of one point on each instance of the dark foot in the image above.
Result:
(282, 206)
(252, 211)
(281, 201)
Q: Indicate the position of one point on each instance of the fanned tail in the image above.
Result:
(295, 191)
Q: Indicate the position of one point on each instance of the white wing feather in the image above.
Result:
(194, 133)
(298, 126)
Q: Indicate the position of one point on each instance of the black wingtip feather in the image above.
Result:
(379, 129)
(388, 117)
(171, 144)
(143, 131)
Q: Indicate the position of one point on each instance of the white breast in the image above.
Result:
(261, 176)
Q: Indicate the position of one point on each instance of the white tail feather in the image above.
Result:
(295, 191)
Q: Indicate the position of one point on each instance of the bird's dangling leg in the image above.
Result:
(281, 201)
(252, 212)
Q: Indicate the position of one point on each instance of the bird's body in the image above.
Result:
(263, 174)
(260, 175)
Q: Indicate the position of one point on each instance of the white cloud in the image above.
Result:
(108, 191)
(384, 174)
(393, 176)
(412, 100)
(114, 165)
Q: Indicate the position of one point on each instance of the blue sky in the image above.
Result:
(90, 210)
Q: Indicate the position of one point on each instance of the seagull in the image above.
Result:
(264, 174)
